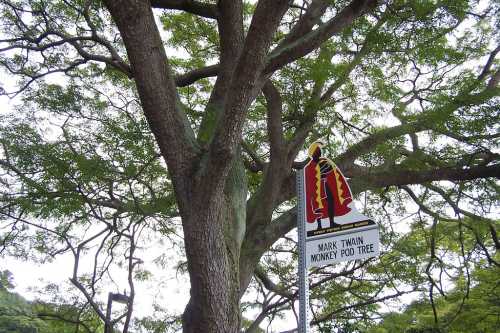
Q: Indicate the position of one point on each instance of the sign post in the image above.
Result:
(330, 228)
(303, 280)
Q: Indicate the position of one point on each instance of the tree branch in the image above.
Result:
(367, 180)
(298, 48)
(362, 181)
(274, 121)
(196, 74)
(231, 36)
(311, 18)
(358, 57)
(242, 91)
(39, 38)
(329, 315)
(487, 67)
(425, 121)
(318, 100)
(270, 285)
(190, 6)
(157, 91)
(457, 209)
(94, 305)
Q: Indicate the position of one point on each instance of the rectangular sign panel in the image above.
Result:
(342, 246)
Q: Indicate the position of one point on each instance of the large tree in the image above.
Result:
(137, 114)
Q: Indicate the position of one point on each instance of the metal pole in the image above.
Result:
(303, 280)
(107, 324)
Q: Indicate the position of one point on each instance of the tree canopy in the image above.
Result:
(63, 315)
(184, 121)
(477, 313)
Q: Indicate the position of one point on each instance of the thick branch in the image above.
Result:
(274, 121)
(487, 67)
(270, 285)
(368, 143)
(242, 91)
(231, 36)
(196, 74)
(301, 47)
(362, 181)
(189, 6)
(157, 91)
(311, 17)
(495, 78)
(406, 177)
(256, 164)
(230, 24)
(469, 139)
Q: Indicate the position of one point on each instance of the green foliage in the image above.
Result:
(63, 170)
(6, 280)
(18, 315)
(476, 311)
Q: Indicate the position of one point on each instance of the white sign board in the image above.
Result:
(342, 246)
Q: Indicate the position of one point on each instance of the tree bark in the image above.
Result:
(212, 266)
(213, 237)
(157, 91)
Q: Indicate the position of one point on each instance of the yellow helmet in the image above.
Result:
(313, 147)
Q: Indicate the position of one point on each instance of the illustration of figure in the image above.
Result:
(327, 193)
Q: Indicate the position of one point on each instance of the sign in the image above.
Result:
(330, 227)
(339, 247)
(335, 230)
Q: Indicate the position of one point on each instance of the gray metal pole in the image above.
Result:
(107, 324)
(303, 280)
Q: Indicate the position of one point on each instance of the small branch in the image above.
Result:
(270, 285)
(365, 49)
(458, 210)
(329, 315)
(487, 67)
(428, 268)
(94, 305)
(257, 164)
(34, 77)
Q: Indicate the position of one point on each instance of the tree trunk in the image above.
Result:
(213, 272)
(213, 234)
